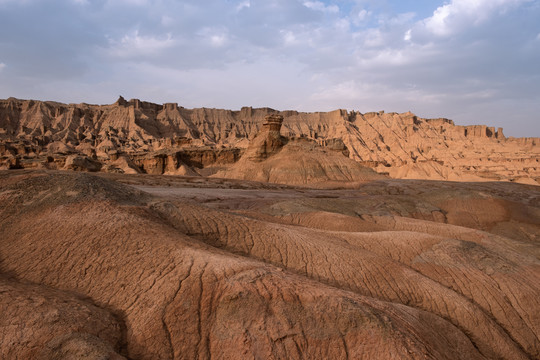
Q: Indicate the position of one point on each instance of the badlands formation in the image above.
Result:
(122, 266)
(259, 234)
(136, 136)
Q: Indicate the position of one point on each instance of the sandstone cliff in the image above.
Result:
(160, 137)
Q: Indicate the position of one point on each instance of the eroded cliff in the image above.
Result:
(137, 136)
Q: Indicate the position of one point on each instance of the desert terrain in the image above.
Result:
(141, 137)
(258, 234)
(169, 267)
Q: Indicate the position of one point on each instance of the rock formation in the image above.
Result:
(42, 134)
(208, 268)
(271, 157)
(222, 260)
(268, 141)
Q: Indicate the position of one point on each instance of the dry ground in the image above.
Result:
(157, 267)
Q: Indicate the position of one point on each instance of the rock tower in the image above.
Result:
(268, 141)
(272, 123)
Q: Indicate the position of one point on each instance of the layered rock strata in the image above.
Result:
(43, 134)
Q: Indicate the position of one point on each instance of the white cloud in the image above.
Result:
(347, 90)
(133, 45)
(407, 36)
(438, 23)
(400, 19)
(218, 40)
(320, 6)
(373, 96)
(374, 38)
(363, 15)
(388, 58)
(343, 25)
(243, 4)
(458, 14)
(2, 66)
(288, 37)
(215, 37)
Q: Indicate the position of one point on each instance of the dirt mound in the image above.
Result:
(430, 170)
(276, 159)
(91, 266)
(45, 323)
(302, 162)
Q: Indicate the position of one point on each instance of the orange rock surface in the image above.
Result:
(170, 267)
(136, 136)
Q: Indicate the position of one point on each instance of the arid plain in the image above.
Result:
(260, 234)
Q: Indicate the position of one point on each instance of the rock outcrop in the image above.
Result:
(401, 145)
(268, 140)
(273, 158)
(199, 268)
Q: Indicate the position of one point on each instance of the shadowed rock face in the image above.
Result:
(268, 141)
(183, 268)
(133, 136)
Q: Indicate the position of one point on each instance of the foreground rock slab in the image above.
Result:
(169, 267)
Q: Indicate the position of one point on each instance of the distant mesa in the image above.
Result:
(138, 136)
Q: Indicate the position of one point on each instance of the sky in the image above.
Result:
(473, 61)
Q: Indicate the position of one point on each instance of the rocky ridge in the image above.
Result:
(136, 136)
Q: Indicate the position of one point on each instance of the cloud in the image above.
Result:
(407, 36)
(347, 91)
(243, 4)
(288, 37)
(459, 14)
(215, 37)
(167, 20)
(135, 45)
(363, 15)
(2, 66)
(320, 6)
(129, 2)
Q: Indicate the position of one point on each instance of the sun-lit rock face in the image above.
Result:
(36, 134)
(273, 123)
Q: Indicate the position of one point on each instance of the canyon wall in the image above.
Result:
(128, 134)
